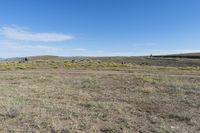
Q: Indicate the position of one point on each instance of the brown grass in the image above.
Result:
(125, 99)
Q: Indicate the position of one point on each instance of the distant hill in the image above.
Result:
(176, 60)
(186, 55)
(45, 57)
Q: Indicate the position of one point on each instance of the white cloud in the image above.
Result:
(79, 49)
(14, 49)
(42, 48)
(19, 33)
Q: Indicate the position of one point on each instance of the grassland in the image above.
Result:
(108, 95)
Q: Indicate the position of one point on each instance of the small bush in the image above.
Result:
(12, 112)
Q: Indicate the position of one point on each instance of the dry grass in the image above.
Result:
(59, 99)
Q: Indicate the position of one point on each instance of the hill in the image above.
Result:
(186, 55)
(175, 60)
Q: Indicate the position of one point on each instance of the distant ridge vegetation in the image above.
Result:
(46, 57)
(173, 60)
(186, 55)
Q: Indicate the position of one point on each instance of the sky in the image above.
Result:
(98, 27)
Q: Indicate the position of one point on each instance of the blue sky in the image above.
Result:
(98, 27)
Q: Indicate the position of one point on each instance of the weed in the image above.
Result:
(12, 112)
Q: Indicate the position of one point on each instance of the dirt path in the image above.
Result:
(126, 73)
(102, 72)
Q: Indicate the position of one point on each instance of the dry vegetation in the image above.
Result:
(97, 95)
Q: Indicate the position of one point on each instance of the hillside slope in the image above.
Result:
(186, 55)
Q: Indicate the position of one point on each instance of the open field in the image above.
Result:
(108, 95)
